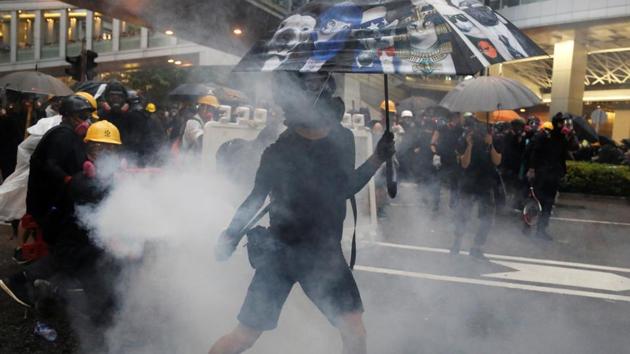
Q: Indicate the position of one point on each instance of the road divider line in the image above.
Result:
(584, 221)
(505, 258)
(492, 283)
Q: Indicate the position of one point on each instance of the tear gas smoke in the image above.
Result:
(176, 298)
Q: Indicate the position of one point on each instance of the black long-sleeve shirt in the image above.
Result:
(309, 182)
(550, 152)
(59, 154)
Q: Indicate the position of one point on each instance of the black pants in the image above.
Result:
(467, 201)
(448, 175)
(546, 187)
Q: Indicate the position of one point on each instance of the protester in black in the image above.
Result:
(58, 156)
(443, 146)
(478, 159)
(513, 152)
(309, 174)
(547, 165)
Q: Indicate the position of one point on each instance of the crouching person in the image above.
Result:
(75, 259)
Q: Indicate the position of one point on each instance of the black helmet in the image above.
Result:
(114, 87)
(559, 119)
(135, 101)
(75, 104)
(518, 124)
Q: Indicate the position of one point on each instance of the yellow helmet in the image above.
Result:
(151, 108)
(547, 125)
(92, 102)
(103, 132)
(392, 106)
(209, 101)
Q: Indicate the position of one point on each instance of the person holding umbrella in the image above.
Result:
(478, 159)
(310, 174)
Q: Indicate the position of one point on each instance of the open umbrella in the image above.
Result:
(190, 90)
(415, 104)
(414, 37)
(34, 82)
(488, 94)
(504, 116)
(584, 131)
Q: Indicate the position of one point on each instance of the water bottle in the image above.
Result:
(45, 331)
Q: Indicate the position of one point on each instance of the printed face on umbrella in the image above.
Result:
(424, 29)
(462, 22)
(293, 31)
(487, 49)
(334, 28)
(479, 12)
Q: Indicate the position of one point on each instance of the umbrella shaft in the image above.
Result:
(386, 81)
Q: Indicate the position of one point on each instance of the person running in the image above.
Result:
(309, 173)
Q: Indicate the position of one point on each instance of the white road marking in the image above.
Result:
(584, 221)
(578, 278)
(506, 258)
(492, 283)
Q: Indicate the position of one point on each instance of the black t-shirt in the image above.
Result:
(479, 176)
(60, 153)
(549, 154)
(448, 144)
(309, 182)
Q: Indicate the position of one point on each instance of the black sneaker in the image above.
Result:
(17, 288)
(476, 252)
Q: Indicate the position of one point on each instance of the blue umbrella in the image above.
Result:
(412, 37)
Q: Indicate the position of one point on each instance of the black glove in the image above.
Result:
(386, 148)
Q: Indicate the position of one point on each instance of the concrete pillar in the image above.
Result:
(144, 38)
(89, 29)
(37, 35)
(569, 70)
(621, 126)
(14, 36)
(116, 35)
(63, 33)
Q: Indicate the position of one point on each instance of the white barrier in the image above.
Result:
(216, 134)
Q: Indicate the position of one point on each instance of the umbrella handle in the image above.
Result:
(390, 171)
(392, 180)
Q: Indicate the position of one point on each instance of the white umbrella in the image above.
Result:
(488, 94)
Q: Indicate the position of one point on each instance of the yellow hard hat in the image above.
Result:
(209, 101)
(92, 102)
(103, 132)
(151, 108)
(547, 125)
(392, 106)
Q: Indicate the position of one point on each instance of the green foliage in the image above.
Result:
(598, 179)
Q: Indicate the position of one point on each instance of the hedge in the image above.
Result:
(597, 179)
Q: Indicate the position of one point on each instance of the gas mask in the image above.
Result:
(81, 123)
(116, 103)
(462, 22)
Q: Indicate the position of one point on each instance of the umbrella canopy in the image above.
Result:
(421, 37)
(415, 104)
(34, 82)
(91, 87)
(504, 116)
(191, 90)
(489, 93)
(584, 131)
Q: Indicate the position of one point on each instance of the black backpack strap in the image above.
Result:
(353, 252)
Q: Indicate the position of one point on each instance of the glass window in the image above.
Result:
(76, 31)
(159, 39)
(51, 27)
(129, 36)
(5, 37)
(103, 33)
(26, 34)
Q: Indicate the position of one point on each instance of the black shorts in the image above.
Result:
(324, 276)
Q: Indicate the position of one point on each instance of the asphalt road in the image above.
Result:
(571, 295)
